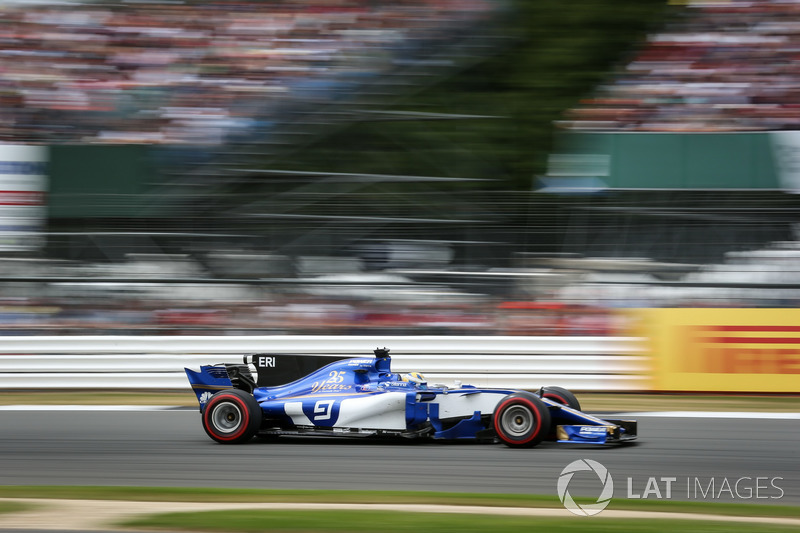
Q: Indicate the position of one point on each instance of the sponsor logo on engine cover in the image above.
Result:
(265, 361)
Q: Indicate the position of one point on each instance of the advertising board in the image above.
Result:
(724, 350)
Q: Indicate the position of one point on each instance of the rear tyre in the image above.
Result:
(521, 420)
(562, 396)
(231, 416)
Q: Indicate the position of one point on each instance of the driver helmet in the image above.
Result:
(416, 378)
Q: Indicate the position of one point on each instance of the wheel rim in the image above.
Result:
(226, 418)
(517, 421)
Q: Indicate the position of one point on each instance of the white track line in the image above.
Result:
(711, 414)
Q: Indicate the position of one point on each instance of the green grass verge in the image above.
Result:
(189, 494)
(13, 507)
(589, 401)
(347, 521)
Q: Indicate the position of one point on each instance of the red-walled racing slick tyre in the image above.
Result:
(232, 416)
(521, 420)
(562, 396)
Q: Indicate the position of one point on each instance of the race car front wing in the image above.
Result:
(616, 431)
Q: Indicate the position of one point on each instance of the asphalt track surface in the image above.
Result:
(169, 448)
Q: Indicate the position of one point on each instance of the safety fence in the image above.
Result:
(156, 363)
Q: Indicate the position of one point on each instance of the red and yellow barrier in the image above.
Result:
(724, 350)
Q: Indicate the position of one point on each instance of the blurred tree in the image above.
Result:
(556, 52)
(487, 128)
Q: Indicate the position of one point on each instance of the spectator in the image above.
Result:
(189, 73)
(727, 66)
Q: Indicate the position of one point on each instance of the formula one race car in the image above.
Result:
(334, 396)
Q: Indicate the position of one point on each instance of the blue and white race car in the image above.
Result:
(349, 397)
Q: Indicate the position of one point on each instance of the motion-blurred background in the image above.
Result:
(423, 166)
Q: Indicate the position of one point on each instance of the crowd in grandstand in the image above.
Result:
(726, 65)
(26, 316)
(177, 72)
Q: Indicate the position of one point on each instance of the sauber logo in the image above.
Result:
(741, 349)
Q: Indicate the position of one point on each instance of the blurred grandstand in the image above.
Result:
(720, 66)
(192, 187)
(208, 73)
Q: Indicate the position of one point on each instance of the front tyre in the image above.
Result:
(231, 416)
(562, 396)
(521, 420)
